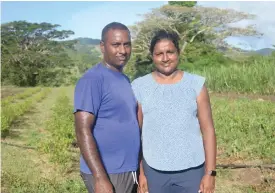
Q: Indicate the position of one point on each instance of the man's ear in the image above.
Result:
(151, 56)
(102, 48)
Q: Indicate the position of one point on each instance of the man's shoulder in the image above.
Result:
(91, 76)
(93, 72)
(126, 77)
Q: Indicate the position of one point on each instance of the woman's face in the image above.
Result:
(165, 57)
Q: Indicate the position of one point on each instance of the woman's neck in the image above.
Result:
(171, 78)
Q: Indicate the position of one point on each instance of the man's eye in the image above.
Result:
(171, 52)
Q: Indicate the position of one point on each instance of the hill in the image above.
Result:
(88, 41)
(265, 51)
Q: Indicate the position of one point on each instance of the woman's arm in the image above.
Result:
(209, 139)
(142, 179)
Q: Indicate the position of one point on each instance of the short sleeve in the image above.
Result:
(198, 84)
(136, 90)
(87, 96)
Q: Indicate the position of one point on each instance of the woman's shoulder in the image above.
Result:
(194, 81)
(193, 76)
(142, 80)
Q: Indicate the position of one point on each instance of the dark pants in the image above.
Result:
(122, 183)
(184, 181)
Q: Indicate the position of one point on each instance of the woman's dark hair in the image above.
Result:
(161, 35)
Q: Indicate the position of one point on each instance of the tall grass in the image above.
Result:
(256, 76)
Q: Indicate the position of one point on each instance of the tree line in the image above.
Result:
(38, 53)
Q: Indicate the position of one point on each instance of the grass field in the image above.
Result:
(38, 154)
(249, 77)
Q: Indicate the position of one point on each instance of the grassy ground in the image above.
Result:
(24, 169)
(10, 90)
(245, 133)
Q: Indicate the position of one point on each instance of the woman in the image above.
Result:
(174, 110)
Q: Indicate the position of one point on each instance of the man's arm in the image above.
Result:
(84, 121)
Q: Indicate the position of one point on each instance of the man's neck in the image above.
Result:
(111, 67)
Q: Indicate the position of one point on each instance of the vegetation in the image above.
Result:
(252, 76)
(61, 132)
(245, 128)
(183, 3)
(38, 55)
(23, 95)
(11, 112)
(33, 54)
(19, 184)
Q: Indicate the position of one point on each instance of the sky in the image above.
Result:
(87, 18)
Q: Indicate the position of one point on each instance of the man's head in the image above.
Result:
(116, 45)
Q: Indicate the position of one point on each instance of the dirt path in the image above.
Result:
(244, 96)
(10, 90)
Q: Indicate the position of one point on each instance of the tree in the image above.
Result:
(198, 26)
(183, 3)
(189, 24)
(32, 54)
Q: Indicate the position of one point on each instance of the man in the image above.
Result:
(105, 118)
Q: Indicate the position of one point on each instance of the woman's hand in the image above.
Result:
(207, 184)
(143, 187)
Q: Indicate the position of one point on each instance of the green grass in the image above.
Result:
(31, 177)
(245, 128)
(254, 77)
(19, 184)
(12, 111)
(61, 129)
(29, 170)
(27, 93)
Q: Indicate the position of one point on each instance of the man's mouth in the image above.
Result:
(122, 58)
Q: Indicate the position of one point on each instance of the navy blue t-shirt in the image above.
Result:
(108, 95)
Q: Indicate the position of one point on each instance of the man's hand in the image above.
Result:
(103, 186)
(207, 184)
(143, 187)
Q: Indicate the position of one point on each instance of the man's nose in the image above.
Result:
(165, 58)
(122, 49)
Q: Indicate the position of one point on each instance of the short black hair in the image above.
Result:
(113, 25)
(163, 34)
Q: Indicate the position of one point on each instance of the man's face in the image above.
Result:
(116, 47)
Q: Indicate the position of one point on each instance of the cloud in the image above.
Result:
(264, 21)
(90, 22)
